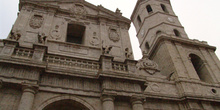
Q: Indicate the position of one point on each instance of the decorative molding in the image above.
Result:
(18, 72)
(117, 85)
(71, 83)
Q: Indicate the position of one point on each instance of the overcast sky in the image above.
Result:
(201, 18)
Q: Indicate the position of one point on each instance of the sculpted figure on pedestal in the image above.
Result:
(42, 38)
(106, 49)
(128, 53)
(15, 35)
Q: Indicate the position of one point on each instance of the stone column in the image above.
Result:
(137, 104)
(108, 103)
(27, 98)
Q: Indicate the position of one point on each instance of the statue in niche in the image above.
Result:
(15, 35)
(42, 38)
(113, 35)
(128, 53)
(148, 65)
(36, 21)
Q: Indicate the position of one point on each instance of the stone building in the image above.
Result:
(73, 55)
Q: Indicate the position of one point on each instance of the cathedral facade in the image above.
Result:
(73, 55)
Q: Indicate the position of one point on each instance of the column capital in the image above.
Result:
(136, 100)
(29, 88)
(107, 98)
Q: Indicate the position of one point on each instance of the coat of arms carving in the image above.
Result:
(114, 35)
(148, 65)
(36, 21)
(78, 10)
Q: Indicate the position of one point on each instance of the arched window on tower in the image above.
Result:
(164, 8)
(139, 20)
(177, 33)
(149, 9)
(201, 68)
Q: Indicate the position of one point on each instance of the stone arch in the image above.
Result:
(201, 68)
(66, 97)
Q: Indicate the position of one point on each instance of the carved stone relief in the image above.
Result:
(78, 10)
(36, 21)
(148, 65)
(114, 34)
(55, 33)
(155, 87)
(94, 40)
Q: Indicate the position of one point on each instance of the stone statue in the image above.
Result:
(15, 35)
(128, 53)
(42, 38)
(118, 12)
(106, 49)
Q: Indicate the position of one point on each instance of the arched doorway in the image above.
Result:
(65, 102)
(65, 105)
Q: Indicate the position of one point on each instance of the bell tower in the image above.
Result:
(164, 40)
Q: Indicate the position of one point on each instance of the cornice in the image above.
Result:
(57, 9)
(185, 41)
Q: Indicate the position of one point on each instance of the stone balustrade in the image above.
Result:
(23, 53)
(72, 62)
(119, 66)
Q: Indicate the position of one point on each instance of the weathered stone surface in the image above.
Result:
(72, 55)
